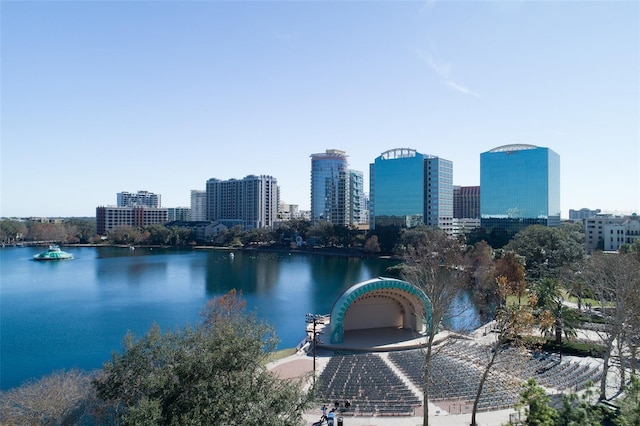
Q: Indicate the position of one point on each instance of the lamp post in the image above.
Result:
(313, 319)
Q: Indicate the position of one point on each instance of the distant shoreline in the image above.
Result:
(358, 253)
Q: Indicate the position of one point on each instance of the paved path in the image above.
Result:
(300, 365)
(492, 418)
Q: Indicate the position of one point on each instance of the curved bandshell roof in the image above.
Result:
(349, 296)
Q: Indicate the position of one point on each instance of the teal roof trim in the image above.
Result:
(342, 304)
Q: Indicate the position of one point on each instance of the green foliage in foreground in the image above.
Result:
(579, 411)
(205, 375)
(535, 402)
(629, 414)
(60, 398)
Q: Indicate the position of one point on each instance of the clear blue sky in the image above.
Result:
(103, 97)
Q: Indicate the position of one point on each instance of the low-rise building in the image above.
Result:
(582, 214)
(110, 217)
(203, 230)
(608, 232)
(463, 226)
(179, 213)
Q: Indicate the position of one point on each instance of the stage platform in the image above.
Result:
(376, 340)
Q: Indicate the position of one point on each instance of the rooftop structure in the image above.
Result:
(141, 198)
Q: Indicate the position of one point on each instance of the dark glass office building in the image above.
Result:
(408, 189)
(520, 187)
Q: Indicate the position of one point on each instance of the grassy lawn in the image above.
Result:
(567, 348)
(584, 300)
(282, 353)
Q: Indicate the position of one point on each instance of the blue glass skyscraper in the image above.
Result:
(408, 189)
(520, 186)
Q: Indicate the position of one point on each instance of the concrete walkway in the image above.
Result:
(301, 365)
(493, 418)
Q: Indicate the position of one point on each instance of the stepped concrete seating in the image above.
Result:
(545, 367)
(366, 381)
(374, 389)
(451, 378)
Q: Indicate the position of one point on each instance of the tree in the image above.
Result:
(84, 229)
(158, 234)
(388, 237)
(546, 249)
(182, 236)
(61, 398)
(372, 245)
(479, 264)
(536, 405)
(12, 230)
(629, 414)
(47, 232)
(553, 315)
(125, 235)
(572, 277)
(511, 323)
(615, 282)
(578, 411)
(231, 237)
(213, 373)
(287, 231)
(633, 248)
(477, 235)
(511, 267)
(433, 263)
(258, 236)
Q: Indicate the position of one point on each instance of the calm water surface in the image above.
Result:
(74, 314)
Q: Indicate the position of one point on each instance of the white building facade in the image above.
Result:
(198, 205)
(251, 202)
(110, 217)
(609, 232)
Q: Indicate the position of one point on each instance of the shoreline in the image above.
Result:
(355, 253)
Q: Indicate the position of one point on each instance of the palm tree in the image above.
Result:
(554, 316)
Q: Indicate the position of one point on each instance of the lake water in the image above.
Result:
(74, 314)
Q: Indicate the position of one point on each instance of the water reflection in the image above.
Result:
(249, 272)
(462, 315)
(74, 314)
(134, 270)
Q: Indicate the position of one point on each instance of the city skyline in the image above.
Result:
(104, 97)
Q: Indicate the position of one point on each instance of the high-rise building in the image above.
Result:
(328, 187)
(409, 189)
(520, 186)
(466, 202)
(141, 198)
(336, 191)
(466, 209)
(251, 202)
(357, 204)
(198, 205)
